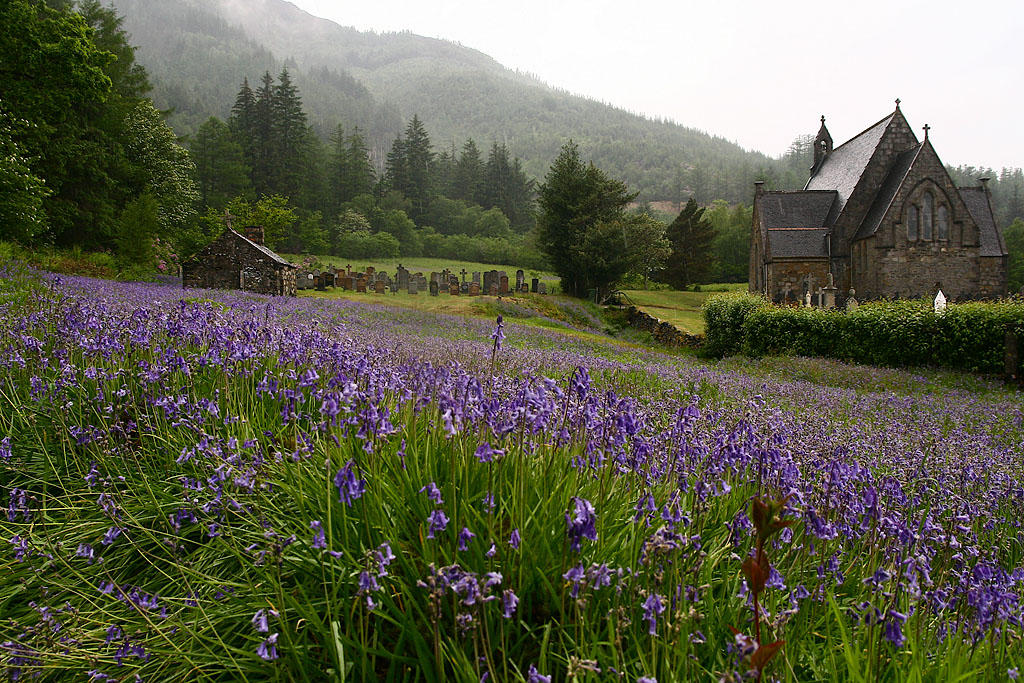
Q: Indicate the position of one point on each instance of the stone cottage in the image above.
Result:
(240, 261)
(882, 216)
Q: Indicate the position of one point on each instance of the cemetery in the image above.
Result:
(447, 282)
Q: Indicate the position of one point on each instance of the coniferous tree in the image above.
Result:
(692, 237)
(418, 161)
(291, 142)
(242, 122)
(396, 175)
(263, 136)
(221, 170)
(361, 175)
(574, 200)
(467, 184)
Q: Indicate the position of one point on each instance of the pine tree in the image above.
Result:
(692, 237)
(574, 199)
(242, 123)
(263, 137)
(468, 179)
(361, 175)
(291, 139)
(221, 170)
(418, 161)
(396, 176)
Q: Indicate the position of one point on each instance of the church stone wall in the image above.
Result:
(790, 276)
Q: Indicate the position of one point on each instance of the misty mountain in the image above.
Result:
(199, 51)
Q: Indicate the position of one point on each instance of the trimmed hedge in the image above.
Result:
(968, 336)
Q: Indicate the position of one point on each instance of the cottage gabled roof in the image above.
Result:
(887, 192)
(842, 169)
(264, 250)
(989, 237)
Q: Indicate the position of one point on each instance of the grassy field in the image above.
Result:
(681, 309)
(427, 265)
(237, 487)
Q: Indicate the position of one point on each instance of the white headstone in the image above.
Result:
(940, 303)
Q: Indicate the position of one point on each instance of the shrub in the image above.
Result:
(968, 336)
(723, 321)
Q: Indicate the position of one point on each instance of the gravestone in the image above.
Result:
(940, 303)
(520, 279)
(435, 277)
(453, 289)
(434, 288)
(524, 288)
(348, 269)
(851, 301)
(369, 271)
(807, 299)
(463, 273)
(464, 288)
(320, 286)
(474, 289)
(503, 284)
(402, 275)
(328, 277)
(494, 290)
(361, 285)
(378, 286)
(829, 290)
(543, 288)
(533, 285)
(412, 288)
(476, 277)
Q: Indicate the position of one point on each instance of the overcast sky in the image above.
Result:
(755, 72)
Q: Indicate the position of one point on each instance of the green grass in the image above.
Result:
(681, 309)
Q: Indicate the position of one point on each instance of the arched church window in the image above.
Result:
(912, 223)
(927, 214)
(943, 222)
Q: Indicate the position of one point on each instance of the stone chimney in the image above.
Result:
(758, 188)
(253, 233)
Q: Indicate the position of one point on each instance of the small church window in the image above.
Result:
(927, 214)
(912, 223)
(943, 222)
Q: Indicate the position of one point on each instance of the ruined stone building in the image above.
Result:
(237, 261)
(881, 214)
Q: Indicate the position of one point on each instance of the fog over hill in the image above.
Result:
(199, 51)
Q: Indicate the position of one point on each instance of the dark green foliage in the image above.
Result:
(574, 198)
(137, 226)
(968, 336)
(221, 171)
(691, 235)
(21, 191)
(723, 322)
(731, 246)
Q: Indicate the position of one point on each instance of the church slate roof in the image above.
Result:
(990, 240)
(801, 209)
(890, 186)
(842, 169)
(802, 243)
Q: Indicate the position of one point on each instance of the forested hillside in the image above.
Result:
(199, 52)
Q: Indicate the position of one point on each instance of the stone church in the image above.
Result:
(882, 216)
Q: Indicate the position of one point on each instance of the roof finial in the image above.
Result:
(823, 119)
(926, 129)
(897, 103)
(227, 218)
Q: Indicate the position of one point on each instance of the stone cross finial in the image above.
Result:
(926, 129)
(823, 119)
(897, 103)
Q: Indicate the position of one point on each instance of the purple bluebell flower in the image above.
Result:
(5, 448)
(268, 648)
(498, 335)
(509, 603)
(260, 622)
(465, 536)
(433, 493)
(319, 539)
(581, 522)
(111, 535)
(485, 453)
(533, 676)
(653, 606)
(350, 487)
(438, 522)
(514, 539)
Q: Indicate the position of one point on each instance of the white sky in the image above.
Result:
(755, 72)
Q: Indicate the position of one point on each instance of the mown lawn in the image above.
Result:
(681, 309)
